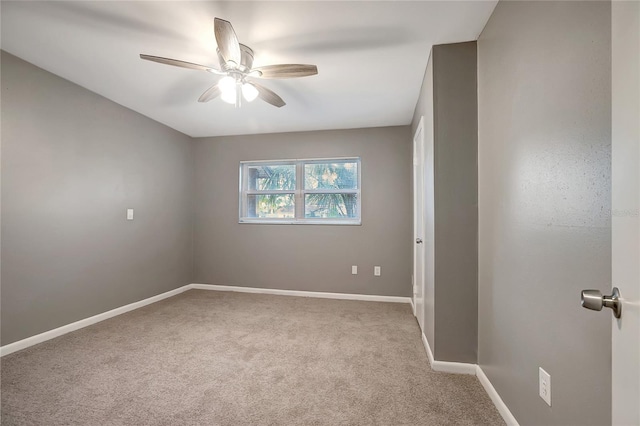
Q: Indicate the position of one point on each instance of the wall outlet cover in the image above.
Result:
(545, 386)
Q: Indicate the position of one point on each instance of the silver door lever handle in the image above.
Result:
(594, 300)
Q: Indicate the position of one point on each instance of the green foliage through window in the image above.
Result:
(329, 190)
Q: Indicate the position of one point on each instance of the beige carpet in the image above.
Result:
(219, 358)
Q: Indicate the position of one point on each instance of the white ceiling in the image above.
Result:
(371, 56)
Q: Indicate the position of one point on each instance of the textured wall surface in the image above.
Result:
(72, 163)
(544, 207)
(307, 257)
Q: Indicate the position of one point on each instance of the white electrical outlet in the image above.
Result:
(129, 214)
(354, 270)
(545, 386)
(376, 271)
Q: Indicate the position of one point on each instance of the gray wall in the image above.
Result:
(544, 207)
(307, 257)
(456, 201)
(72, 162)
(452, 96)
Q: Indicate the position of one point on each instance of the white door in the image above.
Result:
(626, 210)
(418, 223)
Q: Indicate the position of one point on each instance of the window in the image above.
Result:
(318, 191)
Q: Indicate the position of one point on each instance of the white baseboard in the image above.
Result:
(427, 348)
(446, 366)
(497, 401)
(322, 295)
(463, 368)
(454, 367)
(443, 366)
(48, 335)
(413, 306)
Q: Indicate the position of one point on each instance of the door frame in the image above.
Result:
(418, 282)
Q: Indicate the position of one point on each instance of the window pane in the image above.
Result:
(338, 175)
(333, 206)
(273, 177)
(280, 206)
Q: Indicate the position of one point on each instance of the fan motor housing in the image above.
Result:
(246, 60)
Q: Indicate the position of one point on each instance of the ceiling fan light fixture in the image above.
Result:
(229, 97)
(227, 87)
(249, 92)
(227, 84)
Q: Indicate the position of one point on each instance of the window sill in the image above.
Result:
(300, 222)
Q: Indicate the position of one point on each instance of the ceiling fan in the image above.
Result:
(236, 61)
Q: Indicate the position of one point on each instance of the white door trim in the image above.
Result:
(418, 222)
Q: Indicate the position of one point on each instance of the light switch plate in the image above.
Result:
(545, 386)
(376, 271)
(354, 269)
(129, 214)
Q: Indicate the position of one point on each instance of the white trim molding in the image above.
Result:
(48, 335)
(317, 294)
(442, 366)
(446, 366)
(504, 411)
(463, 368)
(427, 348)
(51, 334)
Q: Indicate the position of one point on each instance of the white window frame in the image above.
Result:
(299, 193)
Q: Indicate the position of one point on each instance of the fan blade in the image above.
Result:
(182, 64)
(227, 41)
(269, 96)
(211, 93)
(286, 71)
